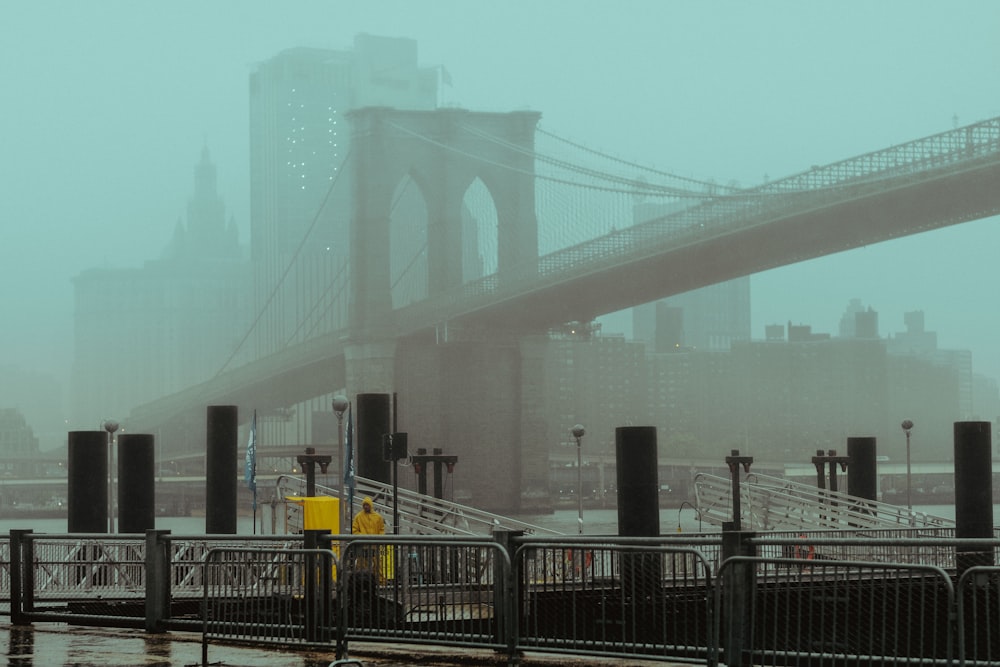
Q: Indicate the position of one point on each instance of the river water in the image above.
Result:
(595, 522)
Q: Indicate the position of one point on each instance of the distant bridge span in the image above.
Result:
(930, 183)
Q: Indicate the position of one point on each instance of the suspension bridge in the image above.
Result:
(477, 229)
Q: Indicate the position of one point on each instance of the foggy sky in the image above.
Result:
(107, 105)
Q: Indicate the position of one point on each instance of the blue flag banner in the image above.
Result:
(250, 465)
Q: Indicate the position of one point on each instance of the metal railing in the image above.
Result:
(772, 503)
(782, 612)
(419, 514)
(739, 597)
(635, 597)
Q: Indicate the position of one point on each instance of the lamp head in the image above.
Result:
(907, 424)
(340, 404)
(110, 425)
(578, 431)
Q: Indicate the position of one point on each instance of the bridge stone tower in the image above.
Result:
(465, 391)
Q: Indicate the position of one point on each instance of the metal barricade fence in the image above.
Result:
(187, 557)
(276, 595)
(419, 589)
(804, 612)
(110, 580)
(978, 599)
(655, 598)
(84, 578)
(625, 597)
(5, 582)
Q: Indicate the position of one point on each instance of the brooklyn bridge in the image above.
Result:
(562, 234)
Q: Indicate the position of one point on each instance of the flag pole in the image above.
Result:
(349, 470)
(250, 467)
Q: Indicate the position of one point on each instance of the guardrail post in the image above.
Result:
(511, 594)
(21, 595)
(157, 580)
(317, 598)
(738, 585)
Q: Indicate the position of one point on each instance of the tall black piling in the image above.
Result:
(638, 512)
(220, 469)
(373, 421)
(638, 481)
(973, 492)
(136, 483)
(862, 477)
(87, 490)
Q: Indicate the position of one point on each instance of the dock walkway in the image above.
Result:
(56, 644)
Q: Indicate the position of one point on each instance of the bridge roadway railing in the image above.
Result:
(820, 186)
(734, 597)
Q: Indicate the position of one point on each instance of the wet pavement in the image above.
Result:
(55, 645)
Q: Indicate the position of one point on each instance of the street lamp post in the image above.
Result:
(111, 426)
(578, 433)
(340, 405)
(907, 427)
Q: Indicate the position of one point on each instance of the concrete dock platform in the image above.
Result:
(56, 644)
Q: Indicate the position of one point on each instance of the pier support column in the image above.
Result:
(638, 486)
(374, 419)
(87, 499)
(220, 470)
(973, 491)
(136, 483)
(862, 478)
(638, 516)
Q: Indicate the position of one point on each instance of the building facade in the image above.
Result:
(143, 333)
(300, 207)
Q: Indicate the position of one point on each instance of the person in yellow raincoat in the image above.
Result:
(369, 522)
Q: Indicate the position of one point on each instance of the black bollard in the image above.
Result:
(862, 478)
(87, 500)
(973, 492)
(220, 470)
(638, 481)
(639, 514)
(136, 483)
(373, 421)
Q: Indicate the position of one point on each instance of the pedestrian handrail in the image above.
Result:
(419, 514)
(748, 597)
(773, 503)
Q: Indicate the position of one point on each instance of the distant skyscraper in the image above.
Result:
(712, 318)
(300, 206)
(858, 322)
(299, 140)
(921, 344)
(143, 333)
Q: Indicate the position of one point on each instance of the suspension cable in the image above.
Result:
(288, 269)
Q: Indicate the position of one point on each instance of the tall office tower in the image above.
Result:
(919, 343)
(143, 333)
(300, 206)
(712, 317)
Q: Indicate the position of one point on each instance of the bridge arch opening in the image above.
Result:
(479, 232)
(407, 244)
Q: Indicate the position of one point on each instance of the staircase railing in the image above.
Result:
(419, 514)
(772, 503)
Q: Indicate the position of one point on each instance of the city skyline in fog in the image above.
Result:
(112, 103)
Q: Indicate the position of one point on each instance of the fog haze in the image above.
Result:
(108, 105)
